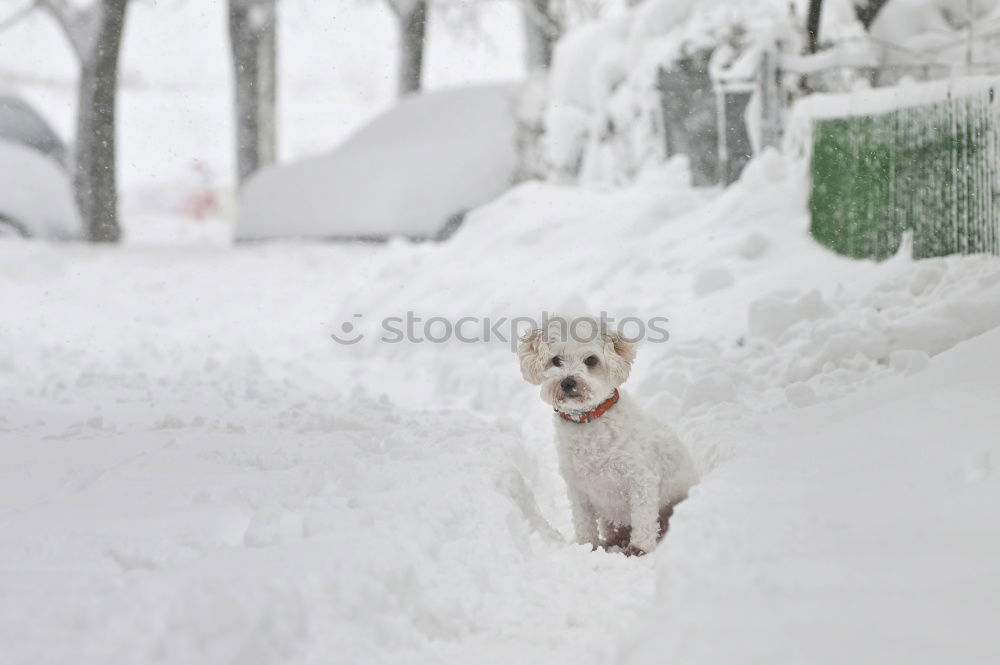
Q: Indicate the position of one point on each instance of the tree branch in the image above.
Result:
(541, 18)
(867, 11)
(403, 7)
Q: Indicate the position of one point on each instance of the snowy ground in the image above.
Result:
(191, 470)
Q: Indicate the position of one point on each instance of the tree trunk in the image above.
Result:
(812, 23)
(412, 37)
(95, 172)
(539, 40)
(252, 34)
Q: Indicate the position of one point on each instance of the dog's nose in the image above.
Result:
(568, 384)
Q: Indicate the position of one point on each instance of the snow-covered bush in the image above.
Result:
(604, 119)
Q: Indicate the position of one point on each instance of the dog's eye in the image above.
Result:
(557, 361)
(591, 361)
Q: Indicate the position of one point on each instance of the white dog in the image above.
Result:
(624, 470)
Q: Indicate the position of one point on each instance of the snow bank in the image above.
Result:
(409, 172)
(862, 530)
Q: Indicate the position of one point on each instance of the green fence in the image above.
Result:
(931, 169)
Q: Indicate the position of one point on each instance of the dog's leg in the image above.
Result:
(666, 512)
(584, 519)
(614, 535)
(645, 514)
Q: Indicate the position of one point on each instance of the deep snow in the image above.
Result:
(191, 470)
(862, 530)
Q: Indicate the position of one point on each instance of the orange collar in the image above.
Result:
(592, 415)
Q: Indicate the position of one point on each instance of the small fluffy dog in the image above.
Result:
(624, 470)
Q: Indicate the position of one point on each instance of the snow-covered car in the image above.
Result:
(413, 171)
(36, 192)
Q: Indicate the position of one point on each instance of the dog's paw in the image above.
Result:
(632, 550)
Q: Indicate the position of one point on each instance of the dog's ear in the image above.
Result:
(623, 347)
(620, 360)
(529, 355)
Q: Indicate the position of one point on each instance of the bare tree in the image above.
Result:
(253, 38)
(812, 23)
(412, 18)
(94, 32)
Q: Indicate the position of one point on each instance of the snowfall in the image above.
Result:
(194, 470)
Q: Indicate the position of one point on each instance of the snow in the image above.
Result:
(192, 470)
(323, 533)
(575, 57)
(36, 193)
(711, 279)
(858, 531)
(882, 100)
(408, 172)
(866, 101)
(604, 78)
(604, 120)
(928, 30)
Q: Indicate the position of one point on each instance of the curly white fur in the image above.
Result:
(623, 468)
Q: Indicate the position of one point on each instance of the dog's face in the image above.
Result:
(575, 372)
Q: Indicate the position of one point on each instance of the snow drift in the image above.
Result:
(861, 530)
